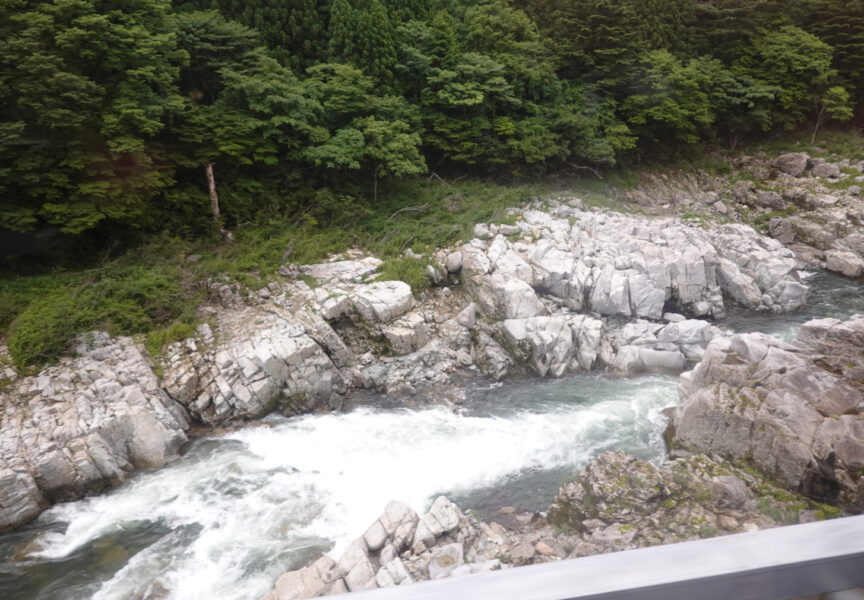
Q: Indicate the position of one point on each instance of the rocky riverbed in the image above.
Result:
(766, 430)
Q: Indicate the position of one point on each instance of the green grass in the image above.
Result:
(117, 299)
(410, 270)
(155, 288)
(157, 339)
(760, 223)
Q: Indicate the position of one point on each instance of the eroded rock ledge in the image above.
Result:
(560, 291)
(83, 424)
(791, 411)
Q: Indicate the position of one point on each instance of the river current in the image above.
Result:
(241, 508)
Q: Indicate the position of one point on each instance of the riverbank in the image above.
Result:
(559, 288)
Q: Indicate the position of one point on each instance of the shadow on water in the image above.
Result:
(24, 576)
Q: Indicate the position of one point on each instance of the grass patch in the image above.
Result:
(158, 339)
(120, 300)
(760, 223)
(410, 270)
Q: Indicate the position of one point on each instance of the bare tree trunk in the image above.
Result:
(214, 199)
(820, 119)
(214, 204)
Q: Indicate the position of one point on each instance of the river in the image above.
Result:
(241, 508)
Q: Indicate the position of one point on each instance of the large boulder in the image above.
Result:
(264, 360)
(792, 411)
(383, 301)
(848, 264)
(82, 425)
(792, 163)
(826, 170)
(545, 343)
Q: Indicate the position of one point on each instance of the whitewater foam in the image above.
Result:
(245, 507)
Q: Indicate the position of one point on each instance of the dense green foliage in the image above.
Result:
(110, 110)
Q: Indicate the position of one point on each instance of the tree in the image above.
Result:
(840, 23)
(392, 148)
(293, 31)
(796, 63)
(674, 97)
(833, 103)
(86, 89)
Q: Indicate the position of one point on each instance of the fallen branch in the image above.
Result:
(587, 169)
(418, 208)
(438, 177)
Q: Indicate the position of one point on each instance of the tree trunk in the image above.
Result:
(820, 119)
(375, 183)
(214, 199)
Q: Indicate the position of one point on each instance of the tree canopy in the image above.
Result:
(111, 109)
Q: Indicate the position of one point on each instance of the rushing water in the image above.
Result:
(238, 510)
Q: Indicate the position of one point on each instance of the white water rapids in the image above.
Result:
(238, 510)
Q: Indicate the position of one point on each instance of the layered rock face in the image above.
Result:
(276, 364)
(792, 411)
(616, 265)
(399, 548)
(81, 425)
(557, 288)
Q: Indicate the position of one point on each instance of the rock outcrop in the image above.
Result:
(399, 548)
(267, 361)
(560, 291)
(616, 265)
(791, 411)
(81, 425)
(617, 502)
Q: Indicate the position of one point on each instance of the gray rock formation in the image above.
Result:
(616, 265)
(619, 502)
(792, 411)
(399, 548)
(266, 361)
(793, 163)
(551, 294)
(82, 425)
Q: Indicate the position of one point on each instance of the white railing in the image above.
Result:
(772, 564)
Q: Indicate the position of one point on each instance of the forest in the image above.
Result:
(112, 109)
(117, 115)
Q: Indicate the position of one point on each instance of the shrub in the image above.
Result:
(121, 301)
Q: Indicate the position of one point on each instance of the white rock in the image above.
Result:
(444, 560)
(847, 263)
(383, 301)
